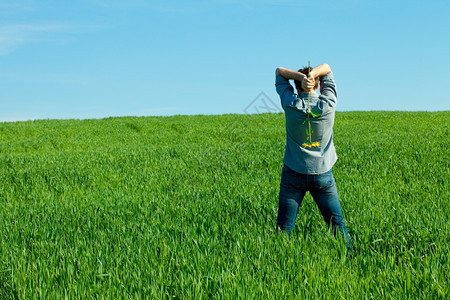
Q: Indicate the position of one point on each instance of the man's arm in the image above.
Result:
(327, 84)
(307, 83)
(289, 74)
(320, 71)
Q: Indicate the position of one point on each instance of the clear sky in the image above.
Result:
(100, 58)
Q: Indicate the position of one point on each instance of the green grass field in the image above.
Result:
(185, 207)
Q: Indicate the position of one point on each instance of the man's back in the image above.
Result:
(309, 136)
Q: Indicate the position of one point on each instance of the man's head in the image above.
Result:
(298, 84)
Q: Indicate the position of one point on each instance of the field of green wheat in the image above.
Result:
(184, 207)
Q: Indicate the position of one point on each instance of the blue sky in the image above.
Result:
(95, 59)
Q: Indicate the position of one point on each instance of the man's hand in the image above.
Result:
(308, 83)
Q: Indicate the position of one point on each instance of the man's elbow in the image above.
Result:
(278, 71)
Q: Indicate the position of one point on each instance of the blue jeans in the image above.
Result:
(322, 187)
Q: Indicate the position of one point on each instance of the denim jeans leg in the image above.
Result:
(288, 205)
(326, 196)
(289, 201)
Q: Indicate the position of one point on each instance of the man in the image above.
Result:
(310, 154)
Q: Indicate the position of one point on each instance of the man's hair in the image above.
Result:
(298, 84)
